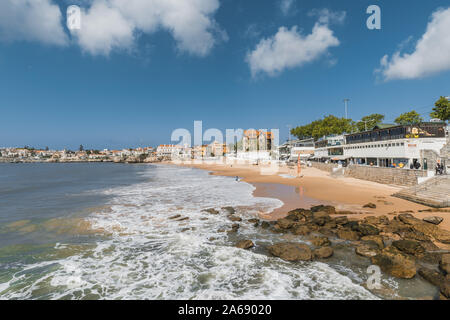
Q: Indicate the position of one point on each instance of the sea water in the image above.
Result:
(118, 231)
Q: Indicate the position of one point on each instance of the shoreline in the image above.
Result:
(348, 195)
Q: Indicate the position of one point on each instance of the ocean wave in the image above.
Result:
(151, 255)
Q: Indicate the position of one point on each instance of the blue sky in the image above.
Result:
(131, 82)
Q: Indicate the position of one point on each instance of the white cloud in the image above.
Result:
(31, 20)
(289, 49)
(103, 28)
(431, 54)
(286, 6)
(327, 16)
(114, 24)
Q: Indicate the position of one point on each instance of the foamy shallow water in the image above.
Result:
(147, 255)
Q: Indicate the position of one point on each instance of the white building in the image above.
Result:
(330, 148)
(399, 146)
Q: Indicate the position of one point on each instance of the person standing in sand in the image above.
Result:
(299, 167)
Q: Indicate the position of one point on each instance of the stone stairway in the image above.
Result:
(434, 192)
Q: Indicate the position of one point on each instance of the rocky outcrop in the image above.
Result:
(366, 229)
(444, 264)
(320, 218)
(285, 223)
(411, 247)
(323, 253)
(426, 228)
(367, 250)
(396, 263)
(434, 220)
(245, 244)
(320, 241)
(327, 209)
(374, 239)
(291, 251)
(301, 230)
(348, 235)
(234, 218)
(211, 211)
(370, 205)
(229, 210)
(432, 276)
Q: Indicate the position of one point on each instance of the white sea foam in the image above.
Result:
(150, 256)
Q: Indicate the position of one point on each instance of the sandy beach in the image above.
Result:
(318, 187)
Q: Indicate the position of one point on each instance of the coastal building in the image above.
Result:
(330, 148)
(216, 149)
(290, 150)
(256, 140)
(405, 146)
(167, 150)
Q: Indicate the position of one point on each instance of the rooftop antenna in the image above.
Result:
(346, 100)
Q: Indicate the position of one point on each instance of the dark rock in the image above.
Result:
(298, 214)
(434, 220)
(432, 276)
(291, 251)
(323, 252)
(341, 220)
(412, 234)
(327, 232)
(351, 224)
(230, 210)
(320, 218)
(245, 244)
(445, 289)
(370, 205)
(301, 230)
(234, 218)
(383, 220)
(394, 262)
(330, 225)
(328, 209)
(175, 216)
(426, 228)
(348, 235)
(366, 229)
(265, 225)
(430, 257)
(367, 251)
(375, 239)
(409, 246)
(444, 264)
(285, 223)
(253, 220)
(320, 241)
(211, 211)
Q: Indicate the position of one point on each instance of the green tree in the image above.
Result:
(409, 118)
(369, 122)
(81, 147)
(441, 110)
(323, 127)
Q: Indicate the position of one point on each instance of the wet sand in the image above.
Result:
(318, 187)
